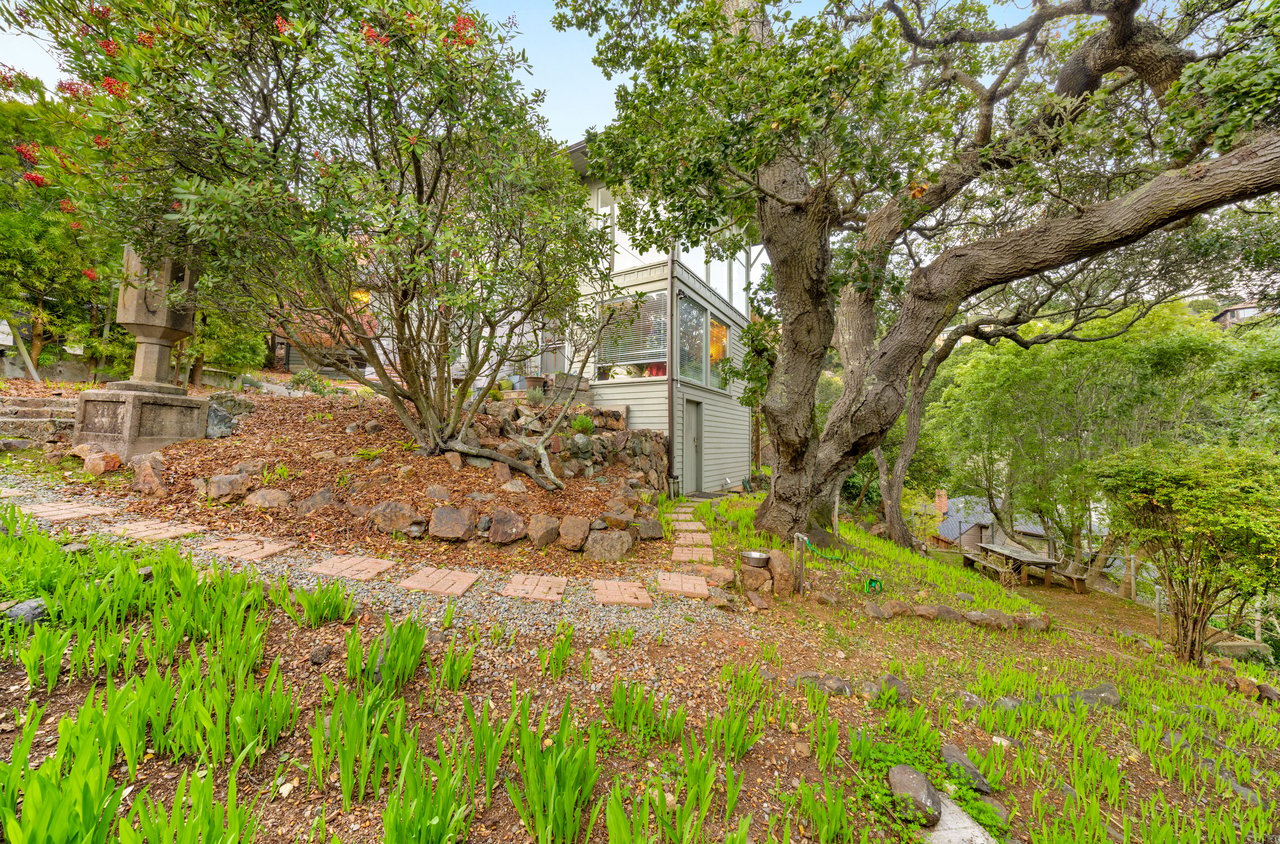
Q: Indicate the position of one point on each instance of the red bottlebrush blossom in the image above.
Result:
(75, 90)
(76, 225)
(35, 179)
(27, 152)
(84, 30)
(102, 13)
(101, 142)
(66, 206)
(111, 48)
(372, 36)
(464, 24)
(115, 87)
(146, 39)
(282, 25)
(90, 274)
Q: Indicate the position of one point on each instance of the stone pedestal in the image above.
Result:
(146, 412)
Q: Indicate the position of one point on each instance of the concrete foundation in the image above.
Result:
(133, 421)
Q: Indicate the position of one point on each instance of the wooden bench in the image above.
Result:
(972, 560)
(1077, 582)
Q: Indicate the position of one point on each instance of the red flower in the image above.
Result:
(177, 206)
(115, 87)
(372, 36)
(76, 90)
(100, 12)
(84, 30)
(67, 206)
(90, 274)
(413, 140)
(35, 179)
(27, 152)
(77, 225)
(111, 48)
(146, 39)
(101, 142)
(464, 24)
(282, 25)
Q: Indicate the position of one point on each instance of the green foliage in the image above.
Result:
(637, 713)
(535, 397)
(558, 776)
(306, 379)
(315, 607)
(431, 804)
(555, 659)
(365, 736)
(583, 424)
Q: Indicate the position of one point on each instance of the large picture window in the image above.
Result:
(635, 342)
(718, 350)
(693, 341)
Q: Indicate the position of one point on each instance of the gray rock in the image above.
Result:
(483, 525)
(543, 530)
(481, 497)
(957, 758)
(478, 462)
(1105, 694)
(250, 467)
(320, 654)
(507, 526)
(759, 601)
(872, 609)
(454, 459)
(397, 517)
(230, 403)
(1268, 693)
(964, 596)
(1242, 649)
(905, 696)
(16, 445)
(970, 701)
(353, 428)
(228, 488)
(829, 683)
(649, 529)
(374, 427)
(979, 619)
(896, 608)
(916, 797)
(608, 545)
(599, 524)
(27, 612)
(454, 524)
(755, 579)
(946, 613)
(927, 612)
(220, 423)
(1002, 620)
(317, 501)
(76, 548)
(438, 492)
(515, 485)
(574, 531)
(1008, 704)
(268, 499)
(1030, 622)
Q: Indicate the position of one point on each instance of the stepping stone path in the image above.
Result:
(154, 530)
(688, 585)
(440, 581)
(538, 587)
(693, 541)
(5, 492)
(352, 566)
(248, 548)
(624, 592)
(65, 511)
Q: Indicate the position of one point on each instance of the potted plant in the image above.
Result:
(535, 382)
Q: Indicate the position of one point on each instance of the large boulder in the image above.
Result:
(783, 573)
(755, 579)
(506, 526)
(233, 404)
(574, 531)
(397, 517)
(608, 545)
(148, 475)
(543, 530)
(268, 499)
(957, 758)
(438, 492)
(226, 489)
(219, 423)
(649, 529)
(317, 501)
(101, 462)
(453, 524)
(27, 612)
(915, 796)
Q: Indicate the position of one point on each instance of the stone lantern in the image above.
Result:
(147, 411)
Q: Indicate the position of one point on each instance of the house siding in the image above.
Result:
(644, 398)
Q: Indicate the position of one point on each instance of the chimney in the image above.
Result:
(940, 501)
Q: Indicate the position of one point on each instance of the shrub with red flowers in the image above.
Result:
(115, 87)
(35, 179)
(90, 274)
(111, 48)
(462, 32)
(101, 142)
(75, 90)
(76, 225)
(102, 13)
(282, 25)
(146, 39)
(28, 153)
(66, 206)
(373, 36)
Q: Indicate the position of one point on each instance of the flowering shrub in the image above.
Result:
(146, 39)
(75, 90)
(111, 48)
(90, 274)
(66, 206)
(282, 25)
(101, 142)
(35, 179)
(462, 32)
(372, 36)
(27, 152)
(115, 87)
(100, 12)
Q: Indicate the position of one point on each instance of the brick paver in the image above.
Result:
(449, 582)
(248, 548)
(690, 553)
(627, 593)
(65, 511)
(352, 566)
(5, 492)
(539, 587)
(688, 585)
(154, 530)
(689, 527)
(693, 539)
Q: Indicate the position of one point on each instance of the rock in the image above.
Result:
(782, 572)
(233, 404)
(599, 524)
(501, 472)
(324, 456)
(482, 497)
(1105, 694)
(607, 545)
(649, 529)
(200, 487)
(872, 609)
(27, 612)
(478, 462)
(148, 475)
(759, 601)
(916, 797)
(979, 619)
(317, 501)
(438, 492)
(1030, 622)
(16, 445)
(927, 612)
(374, 427)
(970, 701)
(1006, 703)
(353, 428)
(482, 525)
(616, 521)
(905, 697)
(896, 608)
(507, 526)
(1002, 620)
(543, 530)
(946, 613)
(226, 489)
(76, 548)
(1245, 686)
(219, 423)
(85, 449)
(964, 596)
(755, 579)
(997, 807)
(718, 576)
(1268, 693)
(517, 486)
(320, 654)
(957, 758)
(454, 459)
(249, 467)
(574, 531)
(268, 499)
(397, 517)
(1241, 649)
(829, 683)
(455, 524)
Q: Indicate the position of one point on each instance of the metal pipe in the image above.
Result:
(671, 384)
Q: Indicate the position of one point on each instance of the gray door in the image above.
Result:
(691, 477)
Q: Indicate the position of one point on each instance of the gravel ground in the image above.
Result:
(675, 619)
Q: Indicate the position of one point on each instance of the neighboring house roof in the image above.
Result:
(1231, 309)
(965, 511)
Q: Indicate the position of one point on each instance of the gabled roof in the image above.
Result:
(965, 511)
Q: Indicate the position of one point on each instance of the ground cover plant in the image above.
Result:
(168, 702)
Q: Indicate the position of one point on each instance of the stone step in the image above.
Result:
(38, 412)
(34, 429)
(38, 401)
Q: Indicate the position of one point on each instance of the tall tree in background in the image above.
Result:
(969, 155)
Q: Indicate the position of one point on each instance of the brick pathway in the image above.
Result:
(689, 553)
(248, 548)
(688, 526)
(154, 530)
(65, 511)
(352, 566)
(693, 539)
(539, 587)
(449, 582)
(5, 492)
(688, 585)
(627, 593)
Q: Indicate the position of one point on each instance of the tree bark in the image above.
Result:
(22, 352)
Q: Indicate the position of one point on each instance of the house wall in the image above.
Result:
(970, 538)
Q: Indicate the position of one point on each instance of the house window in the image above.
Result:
(635, 341)
(693, 341)
(719, 350)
